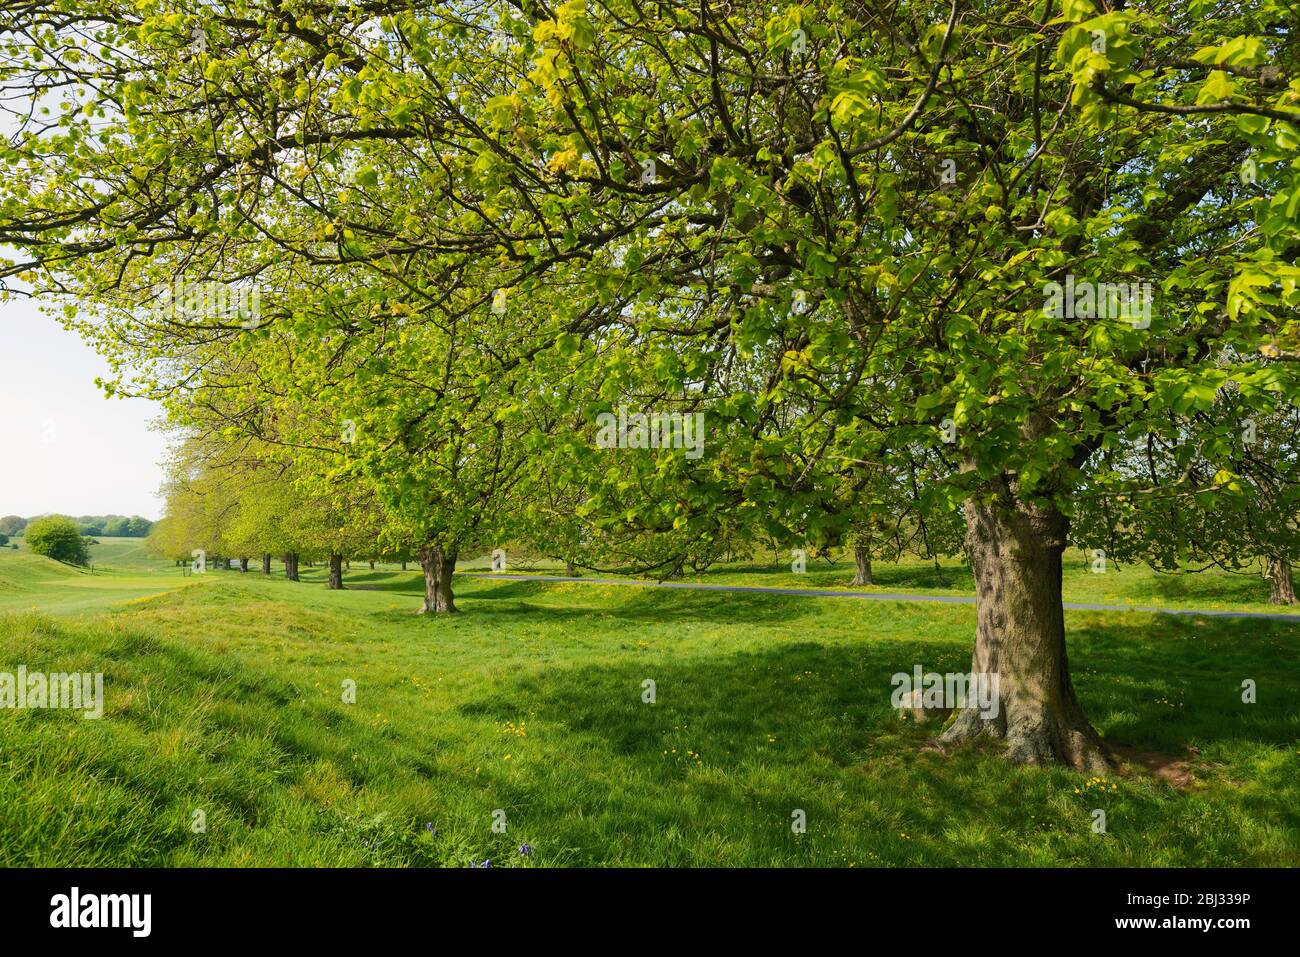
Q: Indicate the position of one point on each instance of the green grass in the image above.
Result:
(121, 571)
(1212, 589)
(226, 698)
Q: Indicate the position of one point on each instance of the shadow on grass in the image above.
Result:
(1160, 687)
(745, 737)
(1195, 589)
(509, 598)
(1178, 681)
(398, 582)
(824, 575)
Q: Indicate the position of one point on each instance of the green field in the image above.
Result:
(121, 571)
(1213, 588)
(224, 696)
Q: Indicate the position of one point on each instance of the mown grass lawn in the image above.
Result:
(121, 571)
(226, 698)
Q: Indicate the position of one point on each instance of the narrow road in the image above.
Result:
(872, 596)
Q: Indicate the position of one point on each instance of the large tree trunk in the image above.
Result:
(291, 566)
(266, 563)
(243, 564)
(1015, 553)
(438, 565)
(571, 569)
(336, 571)
(403, 566)
(862, 558)
(1279, 575)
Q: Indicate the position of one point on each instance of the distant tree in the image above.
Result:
(1223, 488)
(58, 537)
(116, 527)
(12, 524)
(137, 527)
(113, 526)
(4, 539)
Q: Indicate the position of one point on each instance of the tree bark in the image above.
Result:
(438, 565)
(266, 563)
(336, 571)
(570, 569)
(1279, 576)
(372, 566)
(243, 564)
(291, 566)
(1015, 553)
(862, 558)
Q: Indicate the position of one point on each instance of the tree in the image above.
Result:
(12, 525)
(57, 537)
(1223, 489)
(137, 527)
(115, 527)
(887, 512)
(836, 229)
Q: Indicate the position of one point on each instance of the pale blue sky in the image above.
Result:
(63, 446)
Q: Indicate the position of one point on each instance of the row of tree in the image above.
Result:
(840, 233)
(115, 526)
(111, 526)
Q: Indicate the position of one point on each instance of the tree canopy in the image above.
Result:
(57, 537)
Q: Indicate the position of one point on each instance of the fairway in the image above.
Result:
(122, 572)
(226, 698)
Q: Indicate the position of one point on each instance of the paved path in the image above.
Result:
(872, 596)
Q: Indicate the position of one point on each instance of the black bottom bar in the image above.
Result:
(334, 907)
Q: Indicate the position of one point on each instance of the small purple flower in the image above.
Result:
(431, 829)
(525, 849)
(487, 863)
